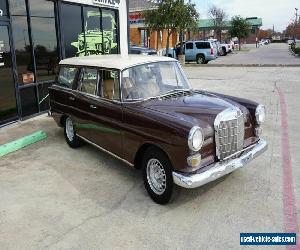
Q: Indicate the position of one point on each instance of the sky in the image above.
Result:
(277, 12)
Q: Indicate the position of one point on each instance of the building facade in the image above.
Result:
(206, 29)
(140, 34)
(36, 34)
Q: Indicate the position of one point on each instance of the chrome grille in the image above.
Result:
(229, 132)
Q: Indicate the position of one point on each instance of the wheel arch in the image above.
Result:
(200, 54)
(141, 151)
(63, 120)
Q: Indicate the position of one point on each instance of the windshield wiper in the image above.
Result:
(175, 91)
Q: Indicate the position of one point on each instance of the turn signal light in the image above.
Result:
(194, 160)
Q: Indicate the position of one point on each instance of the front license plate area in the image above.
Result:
(246, 159)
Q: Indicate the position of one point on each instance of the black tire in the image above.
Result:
(206, 62)
(73, 141)
(155, 157)
(200, 59)
(224, 51)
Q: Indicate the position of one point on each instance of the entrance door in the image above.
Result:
(8, 103)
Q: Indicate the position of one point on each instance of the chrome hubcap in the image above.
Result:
(156, 176)
(69, 129)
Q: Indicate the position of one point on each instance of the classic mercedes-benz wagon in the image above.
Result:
(142, 110)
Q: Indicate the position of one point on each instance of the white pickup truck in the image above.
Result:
(226, 48)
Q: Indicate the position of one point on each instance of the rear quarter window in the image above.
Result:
(66, 76)
(203, 45)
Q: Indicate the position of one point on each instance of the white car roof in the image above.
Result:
(114, 61)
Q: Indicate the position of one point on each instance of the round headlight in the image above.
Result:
(260, 114)
(196, 138)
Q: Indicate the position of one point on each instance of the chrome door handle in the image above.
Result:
(71, 98)
(93, 107)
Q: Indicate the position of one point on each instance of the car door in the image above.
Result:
(62, 93)
(189, 51)
(100, 116)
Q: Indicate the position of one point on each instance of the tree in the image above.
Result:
(218, 16)
(264, 34)
(239, 28)
(172, 16)
(292, 30)
(187, 20)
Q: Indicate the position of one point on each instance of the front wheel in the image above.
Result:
(72, 139)
(157, 175)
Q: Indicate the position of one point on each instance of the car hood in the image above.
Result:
(199, 108)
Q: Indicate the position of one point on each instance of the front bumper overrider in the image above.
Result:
(219, 169)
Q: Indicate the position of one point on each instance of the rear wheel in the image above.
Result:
(72, 139)
(200, 59)
(157, 175)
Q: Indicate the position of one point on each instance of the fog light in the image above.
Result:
(194, 160)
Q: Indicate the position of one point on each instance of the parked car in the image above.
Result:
(290, 41)
(142, 110)
(226, 48)
(217, 46)
(142, 50)
(200, 51)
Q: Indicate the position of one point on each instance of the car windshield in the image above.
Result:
(153, 80)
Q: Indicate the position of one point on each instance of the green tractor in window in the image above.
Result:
(95, 41)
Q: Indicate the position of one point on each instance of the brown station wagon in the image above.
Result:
(142, 110)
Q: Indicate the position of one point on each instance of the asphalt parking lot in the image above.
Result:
(56, 197)
(271, 54)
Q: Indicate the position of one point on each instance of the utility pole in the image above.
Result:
(296, 20)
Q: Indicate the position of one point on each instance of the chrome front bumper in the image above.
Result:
(219, 169)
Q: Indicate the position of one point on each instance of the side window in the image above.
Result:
(88, 81)
(67, 76)
(110, 84)
(207, 45)
(189, 45)
(199, 45)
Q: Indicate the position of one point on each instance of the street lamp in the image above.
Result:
(295, 23)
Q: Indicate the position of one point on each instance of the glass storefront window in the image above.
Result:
(3, 8)
(22, 50)
(93, 31)
(42, 8)
(110, 31)
(17, 7)
(72, 30)
(45, 47)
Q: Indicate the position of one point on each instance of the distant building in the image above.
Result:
(206, 29)
(140, 34)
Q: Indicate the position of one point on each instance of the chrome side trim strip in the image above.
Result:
(106, 151)
(218, 169)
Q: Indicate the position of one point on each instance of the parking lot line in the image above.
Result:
(289, 202)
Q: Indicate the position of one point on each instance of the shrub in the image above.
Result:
(293, 46)
(297, 51)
